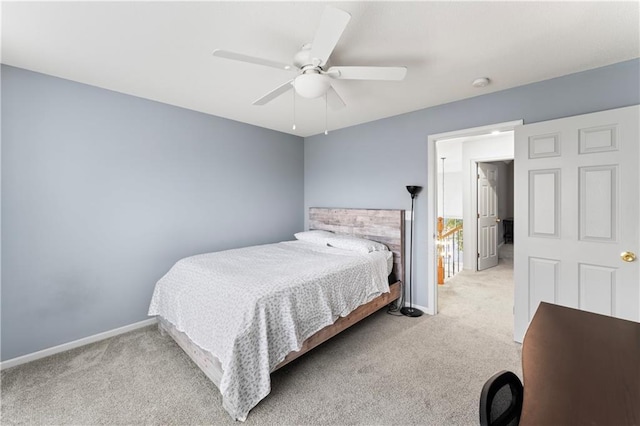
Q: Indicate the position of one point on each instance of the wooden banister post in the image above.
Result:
(440, 255)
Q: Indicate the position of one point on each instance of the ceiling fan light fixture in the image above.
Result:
(312, 85)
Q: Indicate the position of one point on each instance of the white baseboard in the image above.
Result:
(75, 344)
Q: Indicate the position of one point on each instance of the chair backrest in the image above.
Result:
(501, 400)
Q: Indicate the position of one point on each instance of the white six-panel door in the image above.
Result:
(487, 216)
(577, 211)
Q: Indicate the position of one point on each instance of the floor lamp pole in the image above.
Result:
(410, 311)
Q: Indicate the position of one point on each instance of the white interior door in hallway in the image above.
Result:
(576, 189)
(487, 216)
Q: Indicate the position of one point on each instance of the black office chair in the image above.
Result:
(501, 400)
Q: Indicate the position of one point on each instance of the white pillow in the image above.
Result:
(361, 245)
(316, 236)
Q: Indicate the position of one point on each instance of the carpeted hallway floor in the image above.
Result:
(385, 370)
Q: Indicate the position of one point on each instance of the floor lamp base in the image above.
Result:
(411, 312)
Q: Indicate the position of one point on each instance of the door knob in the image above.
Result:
(628, 256)
(497, 219)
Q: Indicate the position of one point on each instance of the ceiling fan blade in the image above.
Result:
(251, 59)
(367, 73)
(283, 88)
(332, 24)
(334, 100)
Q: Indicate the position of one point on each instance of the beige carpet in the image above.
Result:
(385, 370)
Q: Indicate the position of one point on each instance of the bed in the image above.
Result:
(242, 314)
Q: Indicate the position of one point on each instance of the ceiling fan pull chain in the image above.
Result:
(326, 115)
(294, 104)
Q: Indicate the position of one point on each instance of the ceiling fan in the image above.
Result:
(313, 80)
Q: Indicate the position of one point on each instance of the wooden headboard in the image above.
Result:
(384, 226)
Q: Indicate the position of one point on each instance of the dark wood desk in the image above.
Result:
(580, 368)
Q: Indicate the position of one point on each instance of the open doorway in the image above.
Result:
(460, 237)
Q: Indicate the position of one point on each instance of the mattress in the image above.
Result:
(250, 307)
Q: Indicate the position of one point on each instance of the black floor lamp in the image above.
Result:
(410, 311)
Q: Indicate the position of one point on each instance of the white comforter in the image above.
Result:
(250, 307)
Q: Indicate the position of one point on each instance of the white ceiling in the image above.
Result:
(162, 50)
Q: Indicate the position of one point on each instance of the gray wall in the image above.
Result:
(103, 192)
(369, 165)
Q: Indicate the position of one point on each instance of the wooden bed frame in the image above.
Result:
(385, 226)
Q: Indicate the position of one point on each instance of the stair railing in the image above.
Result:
(449, 248)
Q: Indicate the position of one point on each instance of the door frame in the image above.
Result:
(432, 196)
